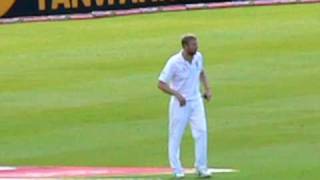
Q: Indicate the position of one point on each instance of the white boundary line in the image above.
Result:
(215, 170)
(7, 168)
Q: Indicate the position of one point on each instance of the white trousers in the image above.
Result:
(192, 113)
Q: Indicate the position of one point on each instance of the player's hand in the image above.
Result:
(207, 95)
(181, 99)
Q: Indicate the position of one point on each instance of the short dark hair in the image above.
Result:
(187, 38)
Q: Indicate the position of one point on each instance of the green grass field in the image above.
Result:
(84, 92)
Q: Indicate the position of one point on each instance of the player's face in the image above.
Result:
(192, 47)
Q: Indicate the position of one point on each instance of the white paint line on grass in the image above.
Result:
(7, 168)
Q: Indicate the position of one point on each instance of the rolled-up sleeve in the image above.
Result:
(167, 72)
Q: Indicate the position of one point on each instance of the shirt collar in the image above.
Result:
(184, 60)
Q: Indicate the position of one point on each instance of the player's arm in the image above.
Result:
(166, 88)
(205, 82)
(164, 79)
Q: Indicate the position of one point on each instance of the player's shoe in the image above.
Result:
(179, 175)
(204, 173)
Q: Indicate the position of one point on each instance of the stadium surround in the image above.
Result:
(18, 8)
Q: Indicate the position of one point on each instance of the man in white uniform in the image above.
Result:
(181, 78)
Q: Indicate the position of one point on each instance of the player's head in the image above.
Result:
(189, 44)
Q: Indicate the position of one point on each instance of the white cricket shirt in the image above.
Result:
(183, 76)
